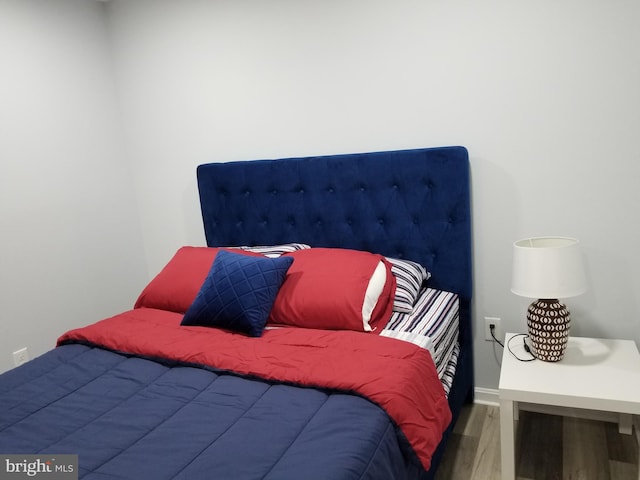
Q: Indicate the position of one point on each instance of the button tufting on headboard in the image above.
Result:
(413, 203)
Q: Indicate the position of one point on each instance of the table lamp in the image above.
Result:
(548, 268)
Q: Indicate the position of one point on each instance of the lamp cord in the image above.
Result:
(526, 347)
(493, 335)
(524, 342)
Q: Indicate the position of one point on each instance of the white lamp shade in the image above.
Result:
(548, 267)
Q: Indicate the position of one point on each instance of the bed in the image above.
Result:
(236, 362)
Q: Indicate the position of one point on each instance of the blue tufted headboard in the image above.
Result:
(412, 204)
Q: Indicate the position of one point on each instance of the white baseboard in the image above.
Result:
(486, 396)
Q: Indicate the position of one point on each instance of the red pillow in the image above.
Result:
(175, 288)
(327, 288)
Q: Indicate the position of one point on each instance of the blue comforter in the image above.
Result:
(134, 418)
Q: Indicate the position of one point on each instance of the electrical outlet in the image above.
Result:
(497, 331)
(20, 356)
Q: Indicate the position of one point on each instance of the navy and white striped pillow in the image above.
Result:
(410, 276)
(275, 250)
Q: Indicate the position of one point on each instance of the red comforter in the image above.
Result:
(398, 376)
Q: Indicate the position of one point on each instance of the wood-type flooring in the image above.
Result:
(548, 447)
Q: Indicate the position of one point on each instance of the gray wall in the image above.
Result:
(71, 248)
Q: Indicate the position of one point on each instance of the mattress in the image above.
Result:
(433, 324)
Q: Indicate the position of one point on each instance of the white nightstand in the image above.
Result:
(595, 374)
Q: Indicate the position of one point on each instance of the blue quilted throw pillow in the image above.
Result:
(238, 293)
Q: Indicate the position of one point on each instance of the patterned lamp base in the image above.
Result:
(548, 322)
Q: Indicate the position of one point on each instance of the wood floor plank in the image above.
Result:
(621, 447)
(457, 461)
(622, 470)
(487, 459)
(539, 446)
(471, 421)
(584, 450)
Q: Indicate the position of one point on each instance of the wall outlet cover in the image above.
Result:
(497, 331)
(20, 356)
